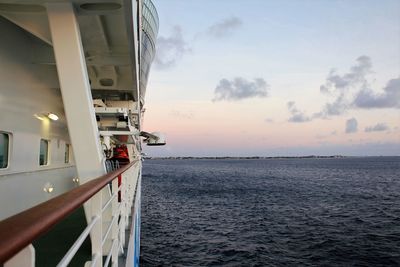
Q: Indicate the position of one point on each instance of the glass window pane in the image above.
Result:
(44, 152)
(66, 157)
(4, 144)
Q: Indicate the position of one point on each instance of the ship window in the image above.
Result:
(44, 152)
(66, 156)
(4, 144)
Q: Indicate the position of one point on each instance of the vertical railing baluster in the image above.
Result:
(26, 257)
(96, 235)
(121, 231)
(127, 199)
(114, 228)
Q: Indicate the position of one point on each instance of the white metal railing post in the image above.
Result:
(121, 225)
(96, 234)
(107, 218)
(132, 185)
(26, 258)
(128, 195)
(134, 180)
(127, 199)
(114, 227)
(134, 241)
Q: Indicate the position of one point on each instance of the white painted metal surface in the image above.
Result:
(24, 258)
(75, 88)
(27, 91)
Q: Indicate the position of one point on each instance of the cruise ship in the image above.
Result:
(73, 82)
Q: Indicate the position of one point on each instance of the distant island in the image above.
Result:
(254, 157)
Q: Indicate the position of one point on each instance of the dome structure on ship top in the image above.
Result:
(150, 24)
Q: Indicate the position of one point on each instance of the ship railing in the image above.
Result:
(109, 199)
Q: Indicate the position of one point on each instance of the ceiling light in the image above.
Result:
(52, 116)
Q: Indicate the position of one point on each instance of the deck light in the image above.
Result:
(48, 188)
(52, 116)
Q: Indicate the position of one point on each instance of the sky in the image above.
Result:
(276, 78)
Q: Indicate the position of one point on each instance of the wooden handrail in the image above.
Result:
(20, 230)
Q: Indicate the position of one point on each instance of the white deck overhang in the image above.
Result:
(109, 33)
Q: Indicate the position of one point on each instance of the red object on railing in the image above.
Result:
(121, 152)
(22, 229)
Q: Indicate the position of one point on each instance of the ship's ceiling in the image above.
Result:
(106, 40)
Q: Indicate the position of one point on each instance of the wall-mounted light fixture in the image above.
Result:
(48, 188)
(43, 116)
(52, 116)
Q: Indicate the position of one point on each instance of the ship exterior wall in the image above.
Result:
(28, 91)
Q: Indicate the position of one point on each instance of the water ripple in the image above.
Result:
(289, 212)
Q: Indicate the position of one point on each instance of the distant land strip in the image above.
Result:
(255, 157)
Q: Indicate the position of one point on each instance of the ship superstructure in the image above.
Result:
(73, 81)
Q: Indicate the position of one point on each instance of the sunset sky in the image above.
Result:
(270, 78)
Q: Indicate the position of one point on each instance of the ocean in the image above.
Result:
(271, 212)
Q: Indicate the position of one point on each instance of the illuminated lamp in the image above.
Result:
(52, 116)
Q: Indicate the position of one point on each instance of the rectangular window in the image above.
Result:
(44, 152)
(66, 156)
(4, 144)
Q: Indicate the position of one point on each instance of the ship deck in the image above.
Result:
(49, 249)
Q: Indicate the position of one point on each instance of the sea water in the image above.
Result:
(271, 212)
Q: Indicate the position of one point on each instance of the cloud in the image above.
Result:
(170, 49)
(379, 127)
(339, 86)
(224, 28)
(296, 115)
(239, 88)
(337, 107)
(351, 125)
(351, 90)
(389, 98)
(356, 76)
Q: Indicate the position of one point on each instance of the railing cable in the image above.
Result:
(72, 251)
(110, 253)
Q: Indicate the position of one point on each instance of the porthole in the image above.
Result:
(67, 152)
(44, 152)
(4, 150)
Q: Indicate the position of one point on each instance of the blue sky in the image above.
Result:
(245, 78)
